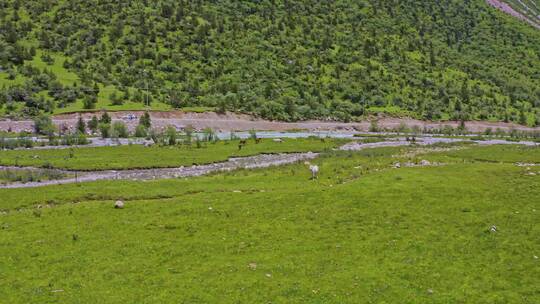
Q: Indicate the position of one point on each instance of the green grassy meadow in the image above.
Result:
(362, 233)
(138, 156)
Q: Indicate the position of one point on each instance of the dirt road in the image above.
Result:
(242, 122)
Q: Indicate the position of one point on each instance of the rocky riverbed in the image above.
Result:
(259, 161)
(252, 162)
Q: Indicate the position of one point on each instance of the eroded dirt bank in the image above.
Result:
(241, 122)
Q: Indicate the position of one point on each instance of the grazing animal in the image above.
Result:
(241, 144)
(258, 140)
(278, 140)
(119, 205)
(314, 171)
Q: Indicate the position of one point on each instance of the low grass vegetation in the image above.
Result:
(363, 232)
(499, 154)
(26, 176)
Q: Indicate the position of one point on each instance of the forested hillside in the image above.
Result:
(279, 59)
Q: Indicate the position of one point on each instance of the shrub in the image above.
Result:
(145, 120)
(374, 126)
(89, 102)
(105, 118)
(209, 135)
(43, 125)
(141, 131)
(93, 124)
(189, 134)
(76, 138)
(170, 136)
(154, 135)
(120, 129)
(81, 125)
(13, 143)
(105, 130)
(116, 100)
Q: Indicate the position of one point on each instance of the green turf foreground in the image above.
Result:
(362, 233)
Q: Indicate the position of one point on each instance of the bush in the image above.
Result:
(43, 125)
(89, 102)
(374, 126)
(81, 125)
(209, 135)
(105, 130)
(119, 129)
(116, 100)
(93, 124)
(105, 118)
(73, 139)
(189, 134)
(14, 143)
(170, 136)
(141, 131)
(253, 134)
(145, 120)
(26, 176)
(154, 135)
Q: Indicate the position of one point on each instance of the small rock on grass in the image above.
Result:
(119, 205)
(425, 162)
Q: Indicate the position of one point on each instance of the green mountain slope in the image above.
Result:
(287, 60)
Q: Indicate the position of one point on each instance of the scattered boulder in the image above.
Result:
(119, 205)
(425, 162)
(397, 165)
(278, 140)
(252, 266)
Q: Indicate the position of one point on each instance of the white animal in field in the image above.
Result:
(314, 171)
